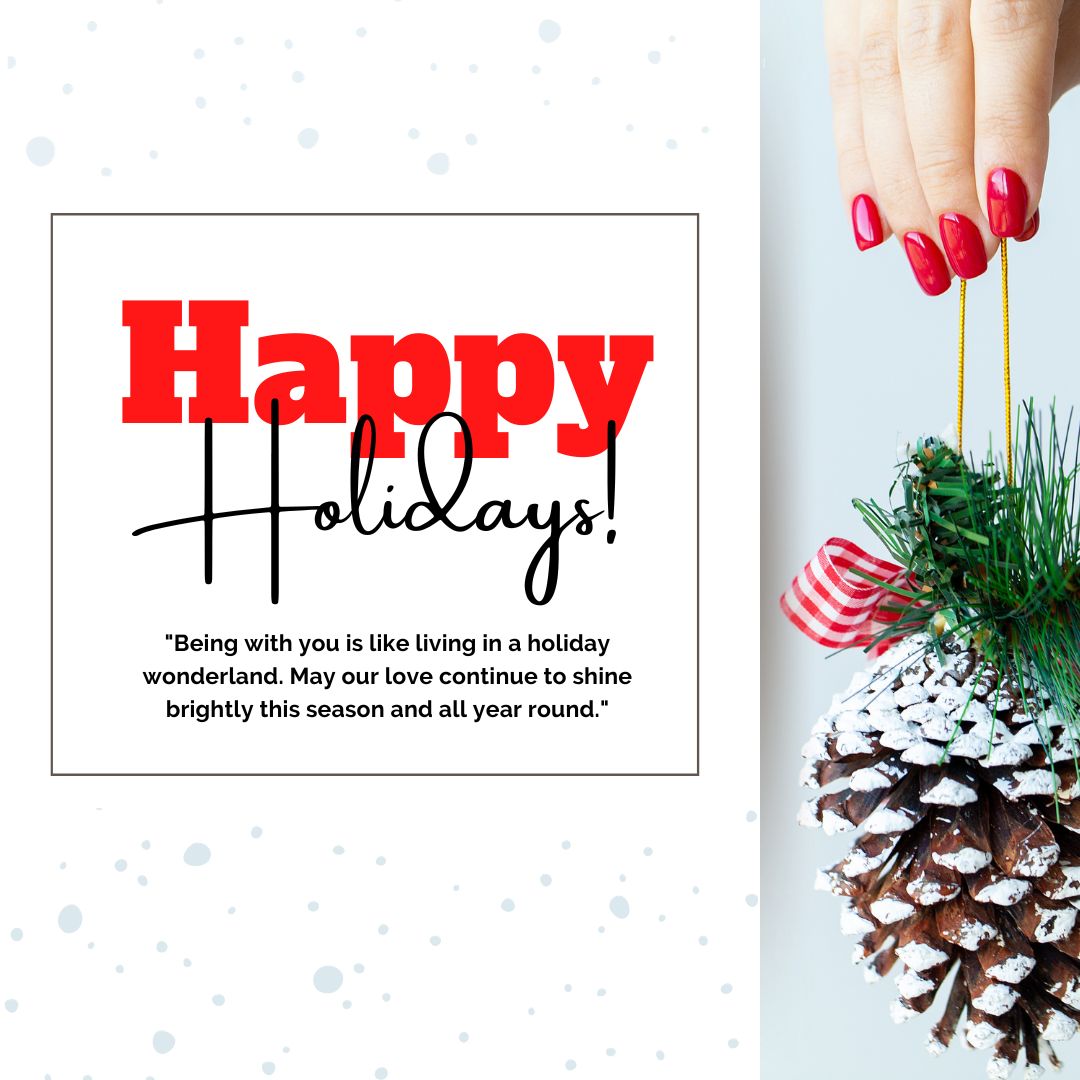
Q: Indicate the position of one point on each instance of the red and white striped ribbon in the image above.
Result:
(838, 608)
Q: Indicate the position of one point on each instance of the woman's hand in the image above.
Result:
(941, 116)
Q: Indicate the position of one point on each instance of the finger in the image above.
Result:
(937, 73)
(888, 147)
(856, 180)
(1014, 43)
(1067, 58)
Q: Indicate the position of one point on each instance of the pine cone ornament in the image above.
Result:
(962, 786)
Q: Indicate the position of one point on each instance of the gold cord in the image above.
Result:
(1007, 374)
(960, 371)
(1008, 371)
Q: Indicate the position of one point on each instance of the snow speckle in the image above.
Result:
(949, 792)
(1005, 891)
(888, 910)
(996, 1000)
(1013, 970)
(921, 957)
(967, 860)
(886, 820)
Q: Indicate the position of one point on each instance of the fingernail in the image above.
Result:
(866, 221)
(1006, 202)
(927, 262)
(963, 245)
(1032, 227)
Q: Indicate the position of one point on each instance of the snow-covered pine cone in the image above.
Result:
(964, 859)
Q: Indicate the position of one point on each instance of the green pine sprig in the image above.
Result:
(992, 563)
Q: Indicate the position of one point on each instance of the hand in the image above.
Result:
(941, 116)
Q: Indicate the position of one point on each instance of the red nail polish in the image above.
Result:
(1006, 202)
(926, 260)
(963, 245)
(866, 221)
(1032, 227)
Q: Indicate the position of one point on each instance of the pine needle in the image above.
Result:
(993, 564)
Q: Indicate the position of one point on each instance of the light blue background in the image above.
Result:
(855, 359)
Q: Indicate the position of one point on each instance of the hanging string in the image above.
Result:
(960, 371)
(1008, 371)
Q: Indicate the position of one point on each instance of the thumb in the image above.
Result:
(1014, 42)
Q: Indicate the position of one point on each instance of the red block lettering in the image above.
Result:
(376, 357)
(601, 399)
(155, 361)
(481, 402)
(320, 401)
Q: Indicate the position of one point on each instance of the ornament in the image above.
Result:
(954, 758)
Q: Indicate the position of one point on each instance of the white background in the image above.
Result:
(856, 360)
(335, 277)
(135, 80)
